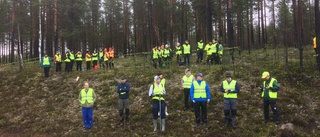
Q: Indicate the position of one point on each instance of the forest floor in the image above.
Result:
(32, 105)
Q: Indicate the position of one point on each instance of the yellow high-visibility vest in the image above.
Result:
(199, 90)
(186, 49)
(229, 86)
(272, 94)
(87, 96)
(187, 81)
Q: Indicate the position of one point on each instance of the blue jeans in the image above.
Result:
(87, 114)
(156, 108)
(186, 57)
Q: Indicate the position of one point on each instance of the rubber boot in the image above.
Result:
(127, 116)
(163, 124)
(154, 125)
(121, 117)
(227, 117)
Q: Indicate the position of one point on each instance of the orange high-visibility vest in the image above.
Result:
(111, 53)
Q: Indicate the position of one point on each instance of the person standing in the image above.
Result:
(71, 60)
(67, 62)
(88, 60)
(46, 64)
(155, 56)
(163, 82)
(123, 90)
(200, 96)
(214, 50)
(186, 82)
(106, 59)
(94, 58)
(79, 61)
(157, 93)
(200, 51)
(178, 53)
(230, 88)
(186, 52)
(111, 57)
(101, 55)
(209, 52)
(87, 97)
(58, 61)
(270, 88)
(220, 51)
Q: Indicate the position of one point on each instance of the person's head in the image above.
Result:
(228, 77)
(86, 85)
(200, 41)
(199, 76)
(160, 75)
(265, 75)
(157, 79)
(88, 51)
(187, 42)
(123, 80)
(79, 52)
(188, 72)
(57, 53)
(178, 43)
(210, 42)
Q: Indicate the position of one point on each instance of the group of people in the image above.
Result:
(105, 58)
(162, 55)
(196, 92)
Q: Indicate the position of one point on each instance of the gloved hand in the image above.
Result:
(208, 100)
(193, 101)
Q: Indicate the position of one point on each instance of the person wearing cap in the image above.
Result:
(67, 62)
(178, 52)
(46, 64)
(200, 51)
(200, 96)
(230, 88)
(123, 90)
(79, 61)
(186, 82)
(270, 88)
(88, 60)
(157, 92)
(57, 60)
(71, 60)
(186, 51)
(87, 97)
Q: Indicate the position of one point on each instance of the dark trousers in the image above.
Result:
(178, 58)
(87, 116)
(67, 68)
(215, 58)
(88, 65)
(209, 59)
(156, 108)
(79, 65)
(46, 71)
(160, 62)
(155, 61)
(200, 55)
(230, 107)
(273, 105)
(123, 104)
(203, 107)
(107, 64)
(101, 63)
(186, 59)
(111, 63)
(95, 63)
(71, 64)
(58, 66)
(186, 98)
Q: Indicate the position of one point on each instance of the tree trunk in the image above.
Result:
(209, 19)
(229, 24)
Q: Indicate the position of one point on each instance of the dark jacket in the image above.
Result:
(123, 89)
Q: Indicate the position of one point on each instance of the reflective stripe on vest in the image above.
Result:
(88, 59)
(199, 90)
(58, 58)
(86, 96)
(71, 56)
(271, 93)
(158, 90)
(200, 45)
(46, 61)
(187, 81)
(229, 86)
(178, 50)
(186, 49)
(155, 54)
(79, 57)
(94, 56)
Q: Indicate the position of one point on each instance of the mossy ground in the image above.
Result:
(32, 105)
